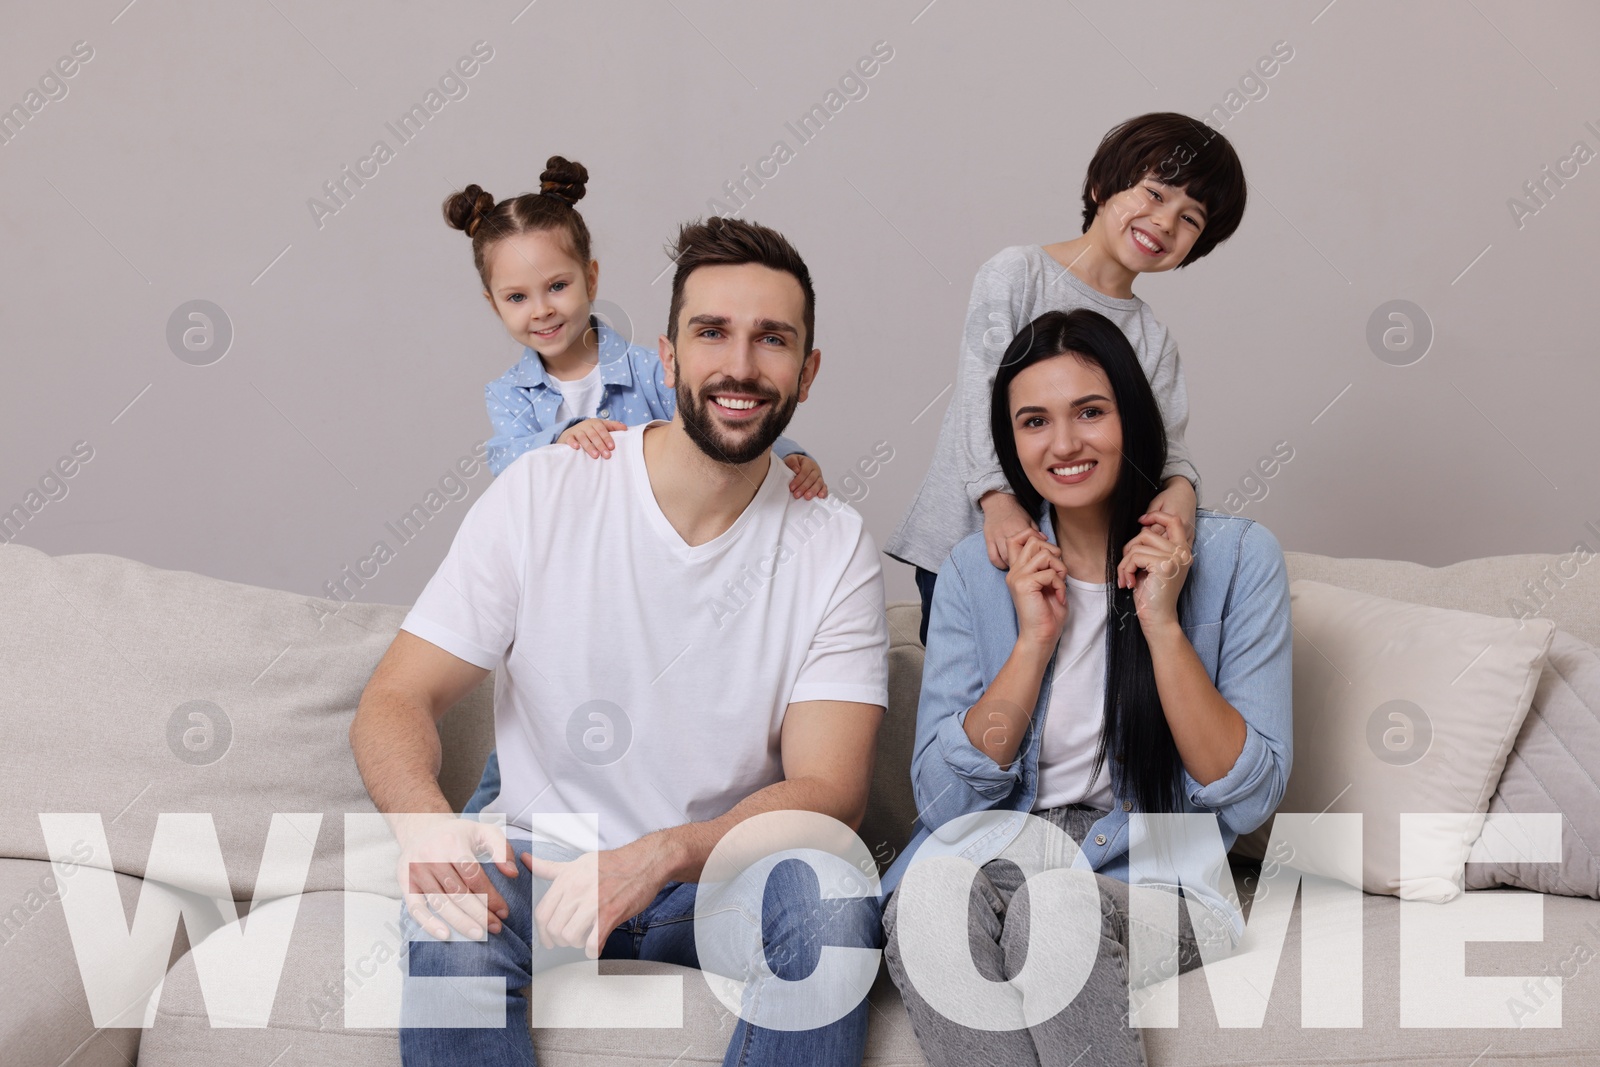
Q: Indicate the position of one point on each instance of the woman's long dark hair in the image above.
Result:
(1135, 730)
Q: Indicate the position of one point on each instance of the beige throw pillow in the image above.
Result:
(1402, 708)
(1554, 767)
(127, 692)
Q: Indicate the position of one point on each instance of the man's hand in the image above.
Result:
(1003, 519)
(592, 435)
(455, 851)
(807, 482)
(619, 883)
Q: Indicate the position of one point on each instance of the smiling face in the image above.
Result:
(1068, 432)
(739, 367)
(541, 291)
(1150, 226)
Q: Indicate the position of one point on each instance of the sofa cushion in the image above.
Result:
(129, 691)
(1403, 708)
(44, 1012)
(1555, 767)
(1569, 949)
(1553, 587)
(308, 1012)
(891, 808)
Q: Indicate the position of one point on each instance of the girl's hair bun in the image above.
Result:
(563, 179)
(468, 208)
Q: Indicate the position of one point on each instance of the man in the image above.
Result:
(681, 645)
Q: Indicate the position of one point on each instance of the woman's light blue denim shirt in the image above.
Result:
(1236, 615)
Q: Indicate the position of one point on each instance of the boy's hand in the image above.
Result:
(1003, 519)
(807, 482)
(1178, 501)
(592, 435)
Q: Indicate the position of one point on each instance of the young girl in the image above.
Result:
(1077, 687)
(578, 381)
(1161, 192)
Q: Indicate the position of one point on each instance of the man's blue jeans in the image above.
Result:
(796, 924)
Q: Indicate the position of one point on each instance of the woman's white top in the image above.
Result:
(1075, 715)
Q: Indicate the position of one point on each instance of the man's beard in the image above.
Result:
(739, 447)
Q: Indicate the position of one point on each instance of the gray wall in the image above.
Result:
(180, 162)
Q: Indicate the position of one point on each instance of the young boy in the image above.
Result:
(1162, 191)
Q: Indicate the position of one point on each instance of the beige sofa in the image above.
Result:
(104, 660)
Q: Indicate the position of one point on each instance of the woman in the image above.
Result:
(1110, 670)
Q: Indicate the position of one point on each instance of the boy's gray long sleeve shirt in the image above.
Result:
(1012, 289)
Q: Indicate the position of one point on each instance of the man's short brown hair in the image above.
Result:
(722, 241)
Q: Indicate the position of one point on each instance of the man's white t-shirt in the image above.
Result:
(640, 678)
(1076, 712)
(580, 397)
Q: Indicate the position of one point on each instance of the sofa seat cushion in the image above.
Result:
(45, 1021)
(308, 1010)
(1569, 948)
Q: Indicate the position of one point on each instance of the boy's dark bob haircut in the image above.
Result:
(1174, 150)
